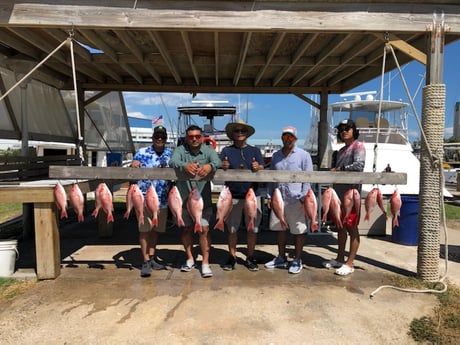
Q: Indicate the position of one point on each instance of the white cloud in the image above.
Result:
(139, 115)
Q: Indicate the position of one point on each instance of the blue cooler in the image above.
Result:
(407, 231)
(114, 159)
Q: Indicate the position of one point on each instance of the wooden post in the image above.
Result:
(47, 244)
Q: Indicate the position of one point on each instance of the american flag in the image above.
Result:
(158, 120)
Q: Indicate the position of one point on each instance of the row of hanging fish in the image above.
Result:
(340, 215)
(331, 205)
(103, 199)
(194, 207)
(225, 205)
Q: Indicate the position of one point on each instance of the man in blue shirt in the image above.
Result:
(290, 157)
(153, 156)
(240, 155)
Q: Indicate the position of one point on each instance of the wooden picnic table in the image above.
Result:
(46, 224)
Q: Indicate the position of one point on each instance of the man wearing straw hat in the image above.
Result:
(240, 155)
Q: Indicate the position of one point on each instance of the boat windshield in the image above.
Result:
(390, 123)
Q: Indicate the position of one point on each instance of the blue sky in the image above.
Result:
(270, 113)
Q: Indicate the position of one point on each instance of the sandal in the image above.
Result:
(344, 270)
(332, 264)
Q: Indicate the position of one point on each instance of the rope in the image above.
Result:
(410, 100)
(374, 165)
(77, 108)
(430, 187)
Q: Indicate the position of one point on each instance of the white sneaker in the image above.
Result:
(188, 266)
(296, 266)
(277, 262)
(206, 271)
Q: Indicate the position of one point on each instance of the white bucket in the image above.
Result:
(8, 255)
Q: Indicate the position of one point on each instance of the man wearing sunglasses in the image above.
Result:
(153, 156)
(350, 157)
(290, 157)
(199, 160)
(240, 155)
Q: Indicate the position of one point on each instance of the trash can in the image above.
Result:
(407, 231)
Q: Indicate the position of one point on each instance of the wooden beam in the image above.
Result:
(242, 58)
(307, 42)
(268, 59)
(119, 173)
(326, 16)
(407, 49)
(159, 43)
(328, 50)
(189, 51)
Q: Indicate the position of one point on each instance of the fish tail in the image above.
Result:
(284, 224)
(314, 226)
(220, 225)
(63, 213)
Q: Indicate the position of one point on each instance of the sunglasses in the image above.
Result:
(287, 136)
(344, 129)
(194, 137)
(159, 136)
(240, 130)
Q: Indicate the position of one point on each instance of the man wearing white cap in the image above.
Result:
(290, 157)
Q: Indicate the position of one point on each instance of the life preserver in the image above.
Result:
(210, 141)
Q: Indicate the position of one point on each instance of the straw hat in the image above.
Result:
(238, 124)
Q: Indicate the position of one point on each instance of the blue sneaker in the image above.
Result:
(296, 266)
(146, 269)
(277, 262)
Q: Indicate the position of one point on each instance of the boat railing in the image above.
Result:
(392, 135)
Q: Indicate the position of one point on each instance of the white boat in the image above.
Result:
(212, 117)
(383, 129)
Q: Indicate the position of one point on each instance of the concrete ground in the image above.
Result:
(100, 298)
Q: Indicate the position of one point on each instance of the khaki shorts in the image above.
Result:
(205, 217)
(162, 218)
(295, 218)
(237, 214)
